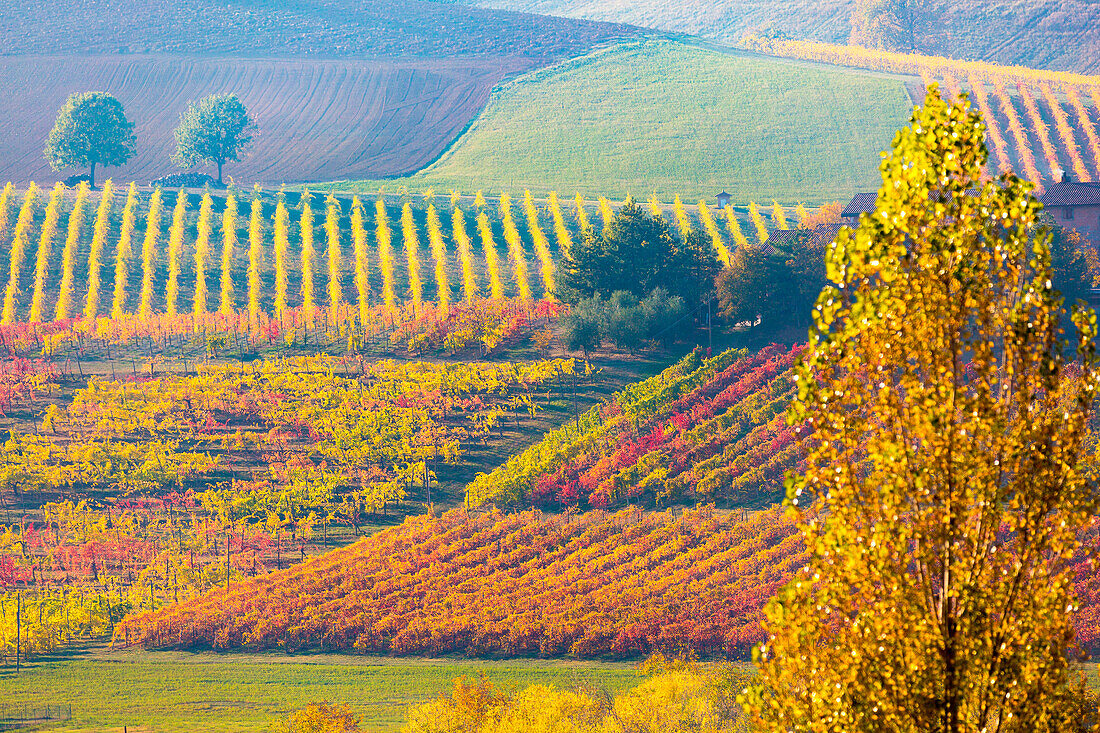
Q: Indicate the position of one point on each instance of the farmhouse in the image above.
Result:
(1075, 205)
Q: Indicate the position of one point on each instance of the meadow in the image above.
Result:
(665, 117)
(180, 691)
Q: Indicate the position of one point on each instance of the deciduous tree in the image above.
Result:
(91, 129)
(944, 472)
(216, 129)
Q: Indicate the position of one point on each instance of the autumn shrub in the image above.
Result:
(319, 717)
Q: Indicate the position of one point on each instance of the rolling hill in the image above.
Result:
(674, 118)
(1053, 34)
(339, 89)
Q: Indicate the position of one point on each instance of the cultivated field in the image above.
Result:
(1053, 34)
(666, 117)
(318, 120)
(292, 29)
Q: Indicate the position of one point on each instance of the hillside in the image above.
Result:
(318, 120)
(338, 89)
(1043, 33)
(585, 585)
(672, 118)
(291, 29)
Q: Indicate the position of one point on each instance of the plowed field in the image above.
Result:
(318, 119)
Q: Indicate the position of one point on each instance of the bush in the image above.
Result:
(624, 320)
(319, 717)
(185, 180)
(678, 697)
(74, 181)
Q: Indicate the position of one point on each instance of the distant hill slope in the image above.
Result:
(290, 28)
(669, 118)
(340, 89)
(1054, 34)
(318, 119)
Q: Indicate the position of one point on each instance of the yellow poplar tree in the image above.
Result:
(561, 232)
(515, 247)
(175, 254)
(465, 254)
(226, 305)
(306, 228)
(412, 246)
(439, 255)
(542, 246)
(149, 256)
(255, 257)
(779, 216)
(492, 261)
(683, 223)
(734, 228)
(123, 251)
(582, 213)
(202, 254)
(712, 231)
(68, 255)
(20, 236)
(758, 222)
(335, 268)
(5, 203)
(45, 243)
(99, 239)
(605, 213)
(944, 485)
(362, 260)
(282, 249)
(385, 254)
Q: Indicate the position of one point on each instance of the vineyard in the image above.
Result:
(1039, 123)
(586, 585)
(154, 490)
(701, 431)
(187, 275)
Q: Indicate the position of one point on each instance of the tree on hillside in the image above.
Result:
(894, 25)
(216, 129)
(944, 489)
(636, 254)
(91, 130)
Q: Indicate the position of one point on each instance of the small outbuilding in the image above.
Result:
(724, 199)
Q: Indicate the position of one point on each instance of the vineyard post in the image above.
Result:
(18, 627)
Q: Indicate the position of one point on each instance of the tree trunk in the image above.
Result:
(91, 176)
(220, 173)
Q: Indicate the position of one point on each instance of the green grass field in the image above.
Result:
(665, 117)
(175, 691)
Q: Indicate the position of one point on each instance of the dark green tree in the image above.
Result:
(1070, 270)
(91, 130)
(635, 254)
(697, 266)
(756, 288)
(216, 129)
